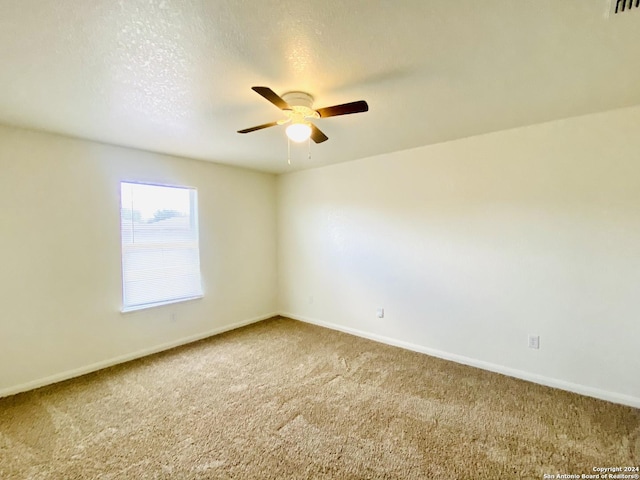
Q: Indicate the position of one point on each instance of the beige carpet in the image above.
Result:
(281, 399)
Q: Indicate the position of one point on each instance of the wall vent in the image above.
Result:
(624, 6)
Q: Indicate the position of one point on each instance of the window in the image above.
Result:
(160, 252)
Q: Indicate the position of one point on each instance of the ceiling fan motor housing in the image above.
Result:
(301, 104)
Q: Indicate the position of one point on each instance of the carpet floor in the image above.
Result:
(283, 399)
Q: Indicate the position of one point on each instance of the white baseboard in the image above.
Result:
(492, 367)
(531, 377)
(76, 372)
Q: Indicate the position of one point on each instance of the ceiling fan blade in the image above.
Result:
(317, 136)
(344, 109)
(258, 127)
(272, 96)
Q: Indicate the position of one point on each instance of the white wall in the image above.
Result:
(471, 245)
(60, 270)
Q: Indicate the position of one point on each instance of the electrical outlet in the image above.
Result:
(534, 341)
(380, 313)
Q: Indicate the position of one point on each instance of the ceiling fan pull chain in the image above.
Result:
(288, 151)
(309, 142)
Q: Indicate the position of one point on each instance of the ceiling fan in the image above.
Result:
(297, 106)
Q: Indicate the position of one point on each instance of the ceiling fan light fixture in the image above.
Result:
(298, 132)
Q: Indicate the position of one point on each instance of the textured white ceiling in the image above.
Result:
(174, 76)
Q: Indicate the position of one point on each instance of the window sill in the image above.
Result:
(135, 308)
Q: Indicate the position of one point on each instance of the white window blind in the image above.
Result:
(160, 251)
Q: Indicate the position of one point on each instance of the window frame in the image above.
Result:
(194, 224)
